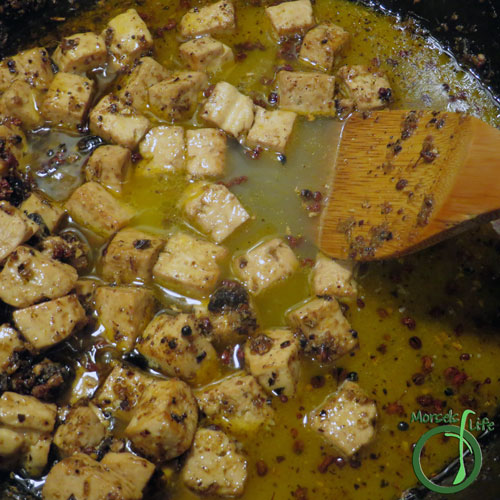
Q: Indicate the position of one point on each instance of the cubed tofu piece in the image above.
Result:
(15, 228)
(68, 100)
(96, 209)
(11, 343)
(36, 205)
(22, 101)
(116, 120)
(145, 73)
(364, 89)
(206, 152)
(238, 404)
(176, 97)
(273, 359)
(49, 323)
(322, 45)
(32, 65)
(229, 110)
(323, 329)
(11, 444)
(306, 93)
(176, 347)
(189, 263)
(333, 277)
(346, 419)
(164, 421)
(291, 17)
(29, 277)
(26, 412)
(110, 166)
(122, 389)
(84, 386)
(83, 478)
(131, 255)
(81, 432)
(124, 312)
(127, 38)
(215, 210)
(266, 264)
(213, 18)
(14, 146)
(163, 151)
(271, 129)
(206, 54)
(214, 466)
(80, 53)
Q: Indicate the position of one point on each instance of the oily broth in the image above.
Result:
(410, 287)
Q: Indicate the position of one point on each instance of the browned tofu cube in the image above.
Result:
(15, 147)
(49, 323)
(11, 343)
(110, 166)
(176, 97)
(124, 312)
(131, 255)
(206, 54)
(364, 89)
(22, 101)
(127, 38)
(322, 45)
(69, 248)
(271, 129)
(36, 205)
(68, 100)
(80, 53)
(93, 207)
(145, 73)
(333, 277)
(213, 18)
(32, 65)
(115, 120)
(206, 152)
(291, 17)
(307, 93)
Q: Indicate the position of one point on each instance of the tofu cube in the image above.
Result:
(37, 207)
(322, 45)
(266, 264)
(206, 152)
(189, 263)
(307, 93)
(176, 97)
(38, 416)
(127, 38)
(124, 312)
(291, 17)
(29, 277)
(333, 277)
(68, 100)
(175, 346)
(11, 343)
(96, 209)
(80, 53)
(164, 421)
(81, 432)
(215, 210)
(346, 420)
(229, 110)
(22, 101)
(238, 405)
(49, 323)
(32, 66)
(364, 89)
(14, 149)
(110, 166)
(214, 466)
(214, 18)
(323, 328)
(115, 120)
(145, 73)
(273, 359)
(15, 228)
(205, 54)
(131, 255)
(163, 151)
(271, 129)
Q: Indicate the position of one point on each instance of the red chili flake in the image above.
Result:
(261, 468)
(171, 24)
(427, 364)
(208, 91)
(185, 4)
(314, 207)
(404, 53)
(254, 153)
(144, 16)
(300, 493)
(280, 458)
(283, 398)
(317, 381)
(401, 184)
(418, 378)
(464, 357)
(136, 157)
(455, 376)
(294, 432)
(235, 181)
(298, 446)
(285, 67)
(293, 241)
(317, 196)
(426, 400)
(307, 262)
(382, 348)
(225, 357)
(360, 303)
(382, 313)
(240, 56)
(327, 461)
(410, 323)
(395, 409)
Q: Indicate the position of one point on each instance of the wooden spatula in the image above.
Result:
(404, 180)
